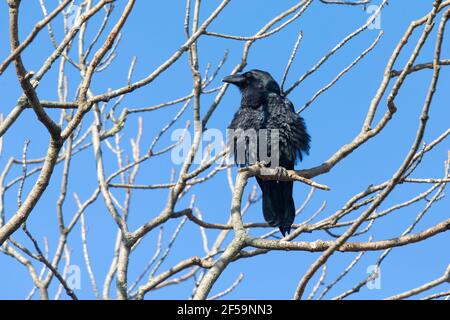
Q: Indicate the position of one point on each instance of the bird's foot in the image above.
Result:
(279, 172)
(262, 164)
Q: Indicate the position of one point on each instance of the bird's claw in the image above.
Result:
(279, 172)
(262, 164)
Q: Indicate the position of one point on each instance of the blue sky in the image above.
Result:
(153, 33)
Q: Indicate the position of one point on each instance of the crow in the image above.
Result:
(264, 107)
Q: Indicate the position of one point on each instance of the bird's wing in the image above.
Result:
(293, 136)
(243, 134)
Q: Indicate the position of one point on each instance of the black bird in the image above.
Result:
(264, 107)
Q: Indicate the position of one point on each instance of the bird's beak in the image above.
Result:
(235, 79)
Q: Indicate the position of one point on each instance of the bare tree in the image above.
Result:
(96, 123)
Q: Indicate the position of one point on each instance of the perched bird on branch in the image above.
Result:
(279, 129)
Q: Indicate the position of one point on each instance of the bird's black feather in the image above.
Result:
(263, 107)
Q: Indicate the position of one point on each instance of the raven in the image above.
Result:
(264, 107)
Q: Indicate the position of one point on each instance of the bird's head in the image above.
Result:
(254, 85)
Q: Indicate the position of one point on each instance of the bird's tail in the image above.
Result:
(278, 204)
